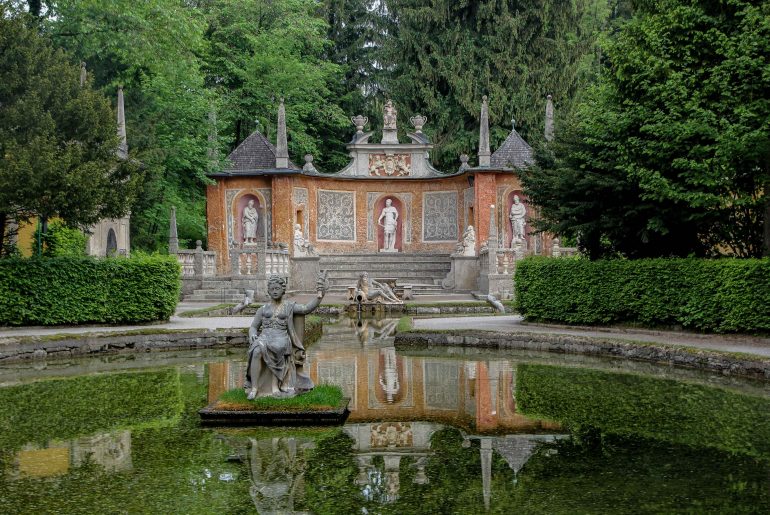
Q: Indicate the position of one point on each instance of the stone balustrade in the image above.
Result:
(198, 262)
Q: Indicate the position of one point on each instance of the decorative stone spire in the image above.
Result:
(492, 243)
(484, 153)
(173, 240)
(281, 145)
(549, 119)
(83, 74)
(123, 146)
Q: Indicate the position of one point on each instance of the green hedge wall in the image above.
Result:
(67, 290)
(719, 295)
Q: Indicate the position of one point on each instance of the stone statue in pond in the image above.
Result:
(276, 356)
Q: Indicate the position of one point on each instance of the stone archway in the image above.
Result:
(239, 204)
(112, 243)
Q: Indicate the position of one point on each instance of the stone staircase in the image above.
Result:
(423, 271)
(222, 290)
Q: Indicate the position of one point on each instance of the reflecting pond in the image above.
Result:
(434, 431)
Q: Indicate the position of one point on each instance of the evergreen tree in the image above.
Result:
(447, 54)
(58, 139)
(671, 153)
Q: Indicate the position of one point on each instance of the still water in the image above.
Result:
(450, 431)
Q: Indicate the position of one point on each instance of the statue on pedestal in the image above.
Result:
(249, 221)
(517, 216)
(301, 247)
(469, 242)
(276, 356)
(390, 214)
(369, 290)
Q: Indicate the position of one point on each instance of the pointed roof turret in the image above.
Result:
(514, 152)
(484, 134)
(123, 145)
(549, 119)
(281, 145)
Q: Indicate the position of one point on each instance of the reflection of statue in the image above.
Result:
(249, 220)
(276, 357)
(369, 290)
(390, 214)
(301, 246)
(517, 214)
(469, 242)
(389, 115)
(389, 380)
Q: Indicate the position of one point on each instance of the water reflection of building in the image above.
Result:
(111, 451)
(383, 385)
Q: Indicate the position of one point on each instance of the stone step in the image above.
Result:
(384, 256)
(226, 299)
(218, 291)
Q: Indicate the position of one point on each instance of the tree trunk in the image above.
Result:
(35, 6)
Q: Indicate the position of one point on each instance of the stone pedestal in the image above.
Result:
(304, 273)
(391, 251)
(464, 274)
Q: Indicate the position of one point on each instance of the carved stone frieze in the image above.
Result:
(336, 220)
(390, 165)
(439, 218)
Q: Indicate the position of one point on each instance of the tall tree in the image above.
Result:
(58, 139)
(446, 54)
(672, 152)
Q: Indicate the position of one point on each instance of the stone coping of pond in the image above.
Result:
(727, 363)
(210, 416)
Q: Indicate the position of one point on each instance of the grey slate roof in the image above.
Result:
(254, 153)
(513, 153)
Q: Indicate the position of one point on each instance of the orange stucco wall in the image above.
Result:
(489, 188)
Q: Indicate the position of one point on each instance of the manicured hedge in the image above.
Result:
(66, 290)
(718, 295)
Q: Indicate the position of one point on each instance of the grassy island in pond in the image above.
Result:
(321, 398)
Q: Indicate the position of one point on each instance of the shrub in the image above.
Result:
(67, 290)
(61, 240)
(722, 295)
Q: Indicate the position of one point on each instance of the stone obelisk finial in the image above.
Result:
(123, 145)
(484, 153)
(281, 145)
(82, 73)
(173, 239)
(549, 119)
(492, 242)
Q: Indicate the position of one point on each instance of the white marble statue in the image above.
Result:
(249, 221)
(390, 214)
(301, 246)
(517, 217)
(369, 290)
(389, 115)
(469, 241)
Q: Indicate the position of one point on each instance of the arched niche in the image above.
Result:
(507, 219)
(378, 207)
(112, 243)
(240, 202)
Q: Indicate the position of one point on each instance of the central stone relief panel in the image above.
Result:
(336, 216)
(439, 216)
(390, 165)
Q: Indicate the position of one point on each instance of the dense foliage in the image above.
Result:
(670, 152)
(657, 409)
(58, 139)
(66, 290)
(726, 295)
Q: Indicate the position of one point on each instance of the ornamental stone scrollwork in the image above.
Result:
(336, 216)
(439, 221)
(384, 165)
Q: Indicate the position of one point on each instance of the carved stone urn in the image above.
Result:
(418, 122)
(359, 121)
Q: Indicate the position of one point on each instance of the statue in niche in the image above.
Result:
(276, 356)
(469, 242)
(389, 116)
(390, 214)
(516, 215)
(301, 246)
(249, 221)
(369, 290)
